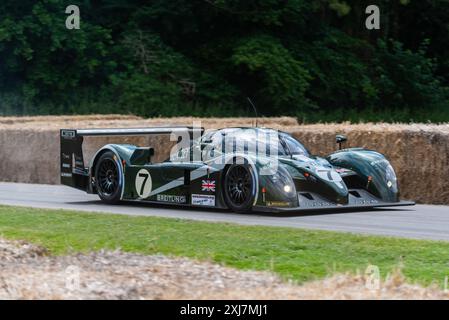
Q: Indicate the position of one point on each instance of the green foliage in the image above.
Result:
(341, 7)
(162, 81)
(313, 59)
(408, 78)
(267, 68)
(42, 60)
(340, 76)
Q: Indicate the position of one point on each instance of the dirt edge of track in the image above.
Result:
(29, 272)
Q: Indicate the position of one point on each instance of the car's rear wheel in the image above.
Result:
(107, 178)
(239, 188)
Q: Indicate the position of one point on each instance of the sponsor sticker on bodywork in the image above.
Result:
(203, 200)
(68, 134)
(171, 199)
(278, 204)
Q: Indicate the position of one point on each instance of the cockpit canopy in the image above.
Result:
(254, 141)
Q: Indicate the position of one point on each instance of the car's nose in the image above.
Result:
(329, 183)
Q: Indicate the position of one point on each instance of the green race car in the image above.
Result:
(241, 169)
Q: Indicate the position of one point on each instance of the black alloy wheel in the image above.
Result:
(107, 177)
(239, 191)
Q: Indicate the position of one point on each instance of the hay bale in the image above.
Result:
(419, 152)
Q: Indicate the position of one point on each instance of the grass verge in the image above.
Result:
(293, 253)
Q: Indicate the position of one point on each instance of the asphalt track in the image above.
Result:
(419, 222)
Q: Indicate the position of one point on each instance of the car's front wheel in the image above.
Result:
(107, 178)
(239, 188)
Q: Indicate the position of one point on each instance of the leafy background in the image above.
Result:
(311, 59)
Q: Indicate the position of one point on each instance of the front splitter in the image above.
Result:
(348, 207)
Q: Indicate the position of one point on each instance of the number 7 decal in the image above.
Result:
(143, 183)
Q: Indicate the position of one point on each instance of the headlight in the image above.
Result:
(390, 177)
(283, 182)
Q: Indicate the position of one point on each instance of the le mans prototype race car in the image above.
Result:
(241, 169)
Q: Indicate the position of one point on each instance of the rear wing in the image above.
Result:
(73, 170)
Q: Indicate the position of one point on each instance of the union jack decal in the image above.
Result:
(208, 185)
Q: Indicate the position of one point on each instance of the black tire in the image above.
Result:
(108, 181)
(239, 188)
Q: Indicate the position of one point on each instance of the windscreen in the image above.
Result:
(294, 146)
(254, 140)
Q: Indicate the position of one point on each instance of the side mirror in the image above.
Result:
(340, 139)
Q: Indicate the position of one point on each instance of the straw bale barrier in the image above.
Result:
(29, 146)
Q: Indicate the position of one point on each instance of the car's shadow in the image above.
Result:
(226, 211)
